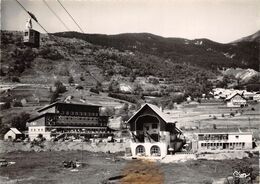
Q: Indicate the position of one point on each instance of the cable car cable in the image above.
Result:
(52, 36)
(70, 16)
(56, 15)
(32, 16)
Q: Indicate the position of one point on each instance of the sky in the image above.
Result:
(219, 20)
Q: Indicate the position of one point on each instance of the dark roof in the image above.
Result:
(156, 109)
(55, 103)
(233, 95)
(38, 117)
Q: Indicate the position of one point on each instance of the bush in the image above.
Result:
(15, 79)
(79, 87)
(70, 80)
(6, 105)
(17, 104)
(94, 90)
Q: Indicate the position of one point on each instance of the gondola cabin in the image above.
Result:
(31, 38)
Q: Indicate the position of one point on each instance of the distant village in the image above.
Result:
(150, 132)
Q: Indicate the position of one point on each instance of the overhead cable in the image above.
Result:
(32, 16)
(56, 15)
(70, 16)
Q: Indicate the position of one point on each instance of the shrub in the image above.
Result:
(15, 79)
(6, 105)
(70, 80)
(17, 104)
(79, 87)
(94, 90)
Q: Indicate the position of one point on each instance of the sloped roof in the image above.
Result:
(233, 95)
(15, 130)
(157, 110)
(55, 103)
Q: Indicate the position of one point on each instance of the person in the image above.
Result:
(28, 24)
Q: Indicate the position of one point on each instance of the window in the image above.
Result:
(154, 126)
(155, 151)
(140, 150)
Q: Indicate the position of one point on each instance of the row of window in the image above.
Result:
(79, 118)
(154, 151)
(37, 129)
(213, 137)
(79, 113)
(236, 144)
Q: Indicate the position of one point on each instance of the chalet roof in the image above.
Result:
(15, 130)
(233, 95)
(38, 117)
(56, 103)
(157, 110)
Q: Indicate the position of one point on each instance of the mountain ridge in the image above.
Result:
(201, 52)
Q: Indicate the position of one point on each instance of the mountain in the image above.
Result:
(199, 52)
(251, 38)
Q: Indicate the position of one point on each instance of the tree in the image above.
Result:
(70, 80)
(60, 88)
(20, 120)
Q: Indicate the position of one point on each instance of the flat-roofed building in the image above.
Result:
(222, 140)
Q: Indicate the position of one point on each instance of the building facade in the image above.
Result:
(236, 100)
(13, 134)
(65, 119)
(153, 133)
(225, 141)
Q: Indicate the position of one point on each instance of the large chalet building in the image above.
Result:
(66, 119)
(153, 133)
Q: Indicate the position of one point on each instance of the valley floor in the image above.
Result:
(46, 167)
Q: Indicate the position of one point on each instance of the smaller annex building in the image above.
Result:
(61, 119)
(13, 134)
(222, 139)
(236, 100)
(153, 133)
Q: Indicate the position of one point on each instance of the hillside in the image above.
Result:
(251, 38)
(59, 58)
(198, 52)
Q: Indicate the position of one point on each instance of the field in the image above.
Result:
(46, 167)
(207, 115)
